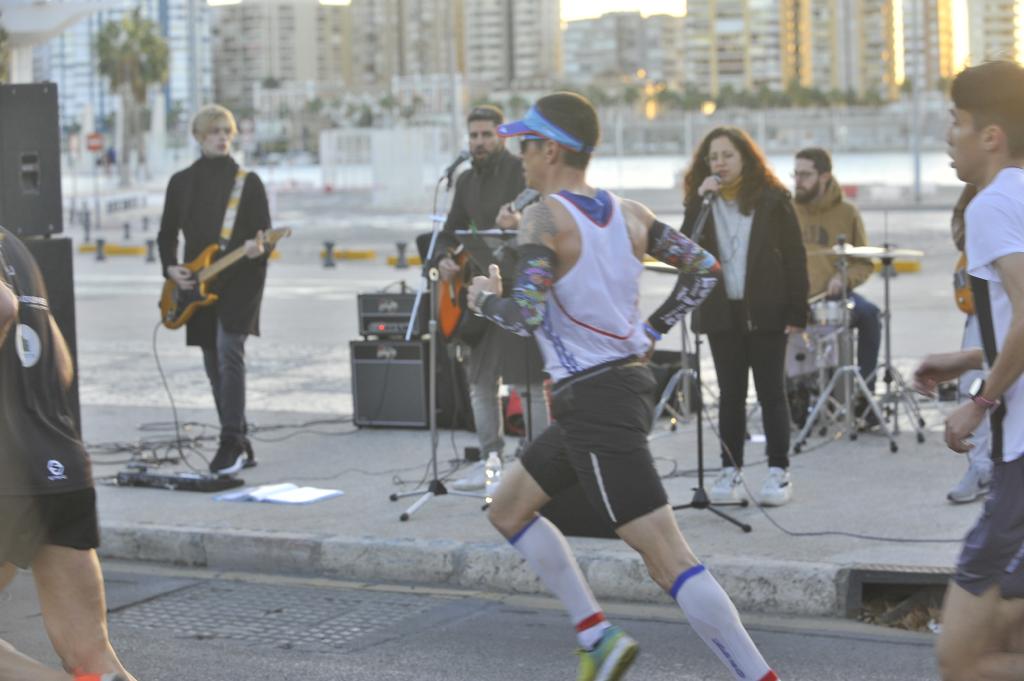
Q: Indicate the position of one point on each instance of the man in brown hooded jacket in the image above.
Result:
(824, 216)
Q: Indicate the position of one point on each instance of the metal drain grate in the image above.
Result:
(283, 616)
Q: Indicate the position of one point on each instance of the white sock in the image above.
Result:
(714, 617)
(549, 555)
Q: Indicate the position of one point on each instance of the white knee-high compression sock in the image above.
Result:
(548, 554)
(713, 616)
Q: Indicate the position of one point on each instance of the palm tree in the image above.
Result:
(134, 56)
(5, 56)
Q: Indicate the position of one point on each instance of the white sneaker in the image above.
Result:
(474, 479)
(777, 489)
(726, 487)
(974, 484)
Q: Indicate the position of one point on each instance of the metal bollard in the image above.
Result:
(402, 263)
(87, 224)
(150, 250)
(127, 231)
(329, 254)
(100, 246)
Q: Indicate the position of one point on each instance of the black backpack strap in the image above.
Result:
(983, 309)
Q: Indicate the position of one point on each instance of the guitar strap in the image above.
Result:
(983, 308)
(232, 210)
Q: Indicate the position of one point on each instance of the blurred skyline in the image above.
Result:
(574, 10)
(588, 9)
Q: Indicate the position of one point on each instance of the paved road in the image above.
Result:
(180, 625)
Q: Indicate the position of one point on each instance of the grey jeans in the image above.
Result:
(225, 367)
(483, 369)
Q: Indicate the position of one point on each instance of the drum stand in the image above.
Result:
(901, 394)
(679, 386)
(846, 381)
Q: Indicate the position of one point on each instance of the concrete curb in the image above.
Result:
(783, 587)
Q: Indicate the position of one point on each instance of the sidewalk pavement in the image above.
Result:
(841, 486)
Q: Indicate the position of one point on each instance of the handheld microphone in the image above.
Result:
(464, 155)
(709, 196)
(525, 198)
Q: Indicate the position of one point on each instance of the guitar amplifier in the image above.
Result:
(386, 315)
(389, 383)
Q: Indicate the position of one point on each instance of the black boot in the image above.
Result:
(229, 459)
(250, 458)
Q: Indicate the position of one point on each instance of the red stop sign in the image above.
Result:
(94, 141)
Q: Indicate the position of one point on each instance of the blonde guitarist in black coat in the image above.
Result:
(197, 206)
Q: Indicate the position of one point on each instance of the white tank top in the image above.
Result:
(593, 312)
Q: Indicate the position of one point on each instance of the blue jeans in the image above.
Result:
(865, 317)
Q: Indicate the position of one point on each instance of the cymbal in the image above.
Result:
(869, 252)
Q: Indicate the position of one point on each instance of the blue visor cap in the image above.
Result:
(534, 126)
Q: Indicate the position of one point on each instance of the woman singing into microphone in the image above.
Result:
(754, 233)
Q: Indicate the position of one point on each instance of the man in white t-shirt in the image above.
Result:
(983, 615)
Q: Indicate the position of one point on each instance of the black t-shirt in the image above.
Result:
(40, 448)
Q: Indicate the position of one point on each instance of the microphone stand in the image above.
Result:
(700, 499)
(431, 274)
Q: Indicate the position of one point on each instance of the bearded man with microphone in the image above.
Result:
(483, 200)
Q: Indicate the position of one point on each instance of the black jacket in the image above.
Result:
(479, 193)
(776, 283)
(195, 205)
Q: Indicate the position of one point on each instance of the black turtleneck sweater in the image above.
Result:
(196, 202)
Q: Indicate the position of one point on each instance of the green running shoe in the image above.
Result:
(610, 658)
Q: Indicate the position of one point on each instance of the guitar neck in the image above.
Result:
(226, 261)
(221, 264)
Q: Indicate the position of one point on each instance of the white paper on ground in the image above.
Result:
(281, 493)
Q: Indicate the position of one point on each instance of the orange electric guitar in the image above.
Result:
(451, 295)
(962, 286)
(178, 305)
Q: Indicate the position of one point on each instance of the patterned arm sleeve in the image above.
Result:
(699, 272)
(523, 311)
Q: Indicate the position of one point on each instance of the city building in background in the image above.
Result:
(70, 60)
(512, 44)
(735, 45)
(285, 45)
(397, 38)
(995, 28)
(928, 42)
(846, 46)
(620, 44)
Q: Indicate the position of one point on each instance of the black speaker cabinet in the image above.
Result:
(54, 259)
(30, 196)
(389, 383)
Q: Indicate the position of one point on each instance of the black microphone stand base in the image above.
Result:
(700, 499)
(701, 502)
(428, 285)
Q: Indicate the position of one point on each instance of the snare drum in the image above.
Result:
(828, 312)
(813, 349)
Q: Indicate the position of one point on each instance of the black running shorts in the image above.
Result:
(599, 438)
(28, 523)
(993, 552)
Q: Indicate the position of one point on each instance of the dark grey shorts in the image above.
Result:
(27, 523)
(599, 439)
(993, 551)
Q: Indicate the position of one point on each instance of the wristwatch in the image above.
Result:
(978, 387)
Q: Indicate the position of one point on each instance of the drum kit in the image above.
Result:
(823, 380)
(820, 361)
